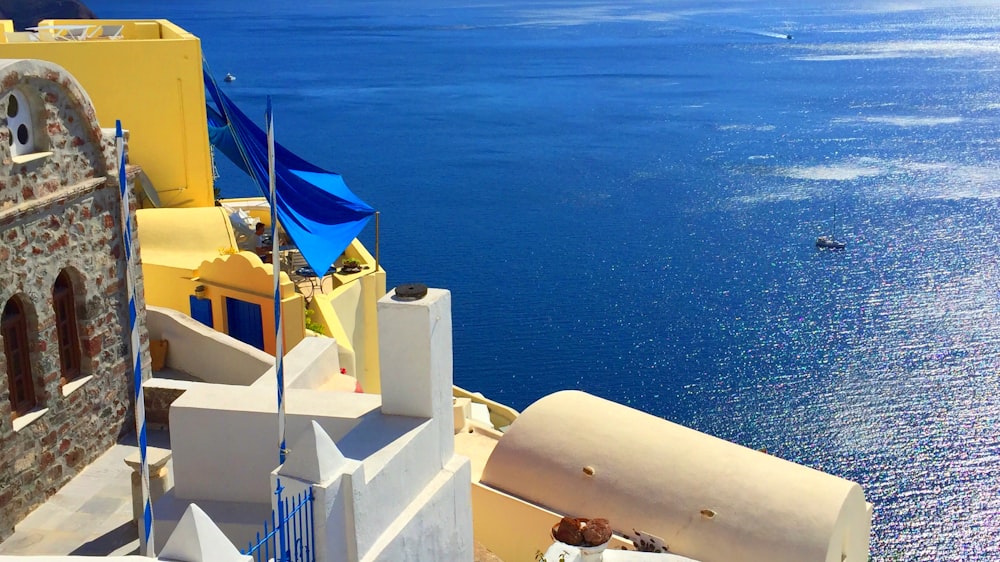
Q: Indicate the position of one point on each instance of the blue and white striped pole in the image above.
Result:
(279, 342)
(146, 537)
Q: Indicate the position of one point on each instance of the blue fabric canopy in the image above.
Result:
(315, 207)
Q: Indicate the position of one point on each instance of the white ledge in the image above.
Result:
(22, 422)
(25, 158)
(71, 386)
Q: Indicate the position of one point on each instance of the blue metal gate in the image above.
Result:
(288, 536)
(243, 321)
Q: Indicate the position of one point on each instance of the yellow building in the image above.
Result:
(148, 74)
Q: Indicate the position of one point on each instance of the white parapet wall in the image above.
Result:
(199, 350)
(314, 363)
(225, 439)
(436, 525)
(225, 444)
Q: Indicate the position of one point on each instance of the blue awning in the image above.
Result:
(315, 207)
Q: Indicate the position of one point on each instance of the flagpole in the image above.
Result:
(146, 543)
(276, 269)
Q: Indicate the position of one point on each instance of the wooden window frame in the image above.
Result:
(20, 381)
(67, 334)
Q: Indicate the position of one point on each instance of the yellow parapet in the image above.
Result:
(244, 279)
(348, 313)
(184, 238)
(148, 74)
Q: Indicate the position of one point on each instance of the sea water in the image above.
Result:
(624, 198)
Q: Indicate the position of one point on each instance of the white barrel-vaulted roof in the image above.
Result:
(709, 499)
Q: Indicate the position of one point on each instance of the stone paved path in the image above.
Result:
(91, 515)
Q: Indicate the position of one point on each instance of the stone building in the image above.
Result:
(65, 376)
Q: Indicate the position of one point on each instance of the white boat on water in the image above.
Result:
(229, 77)
(829, 242)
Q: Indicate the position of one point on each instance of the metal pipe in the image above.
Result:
(377, 216)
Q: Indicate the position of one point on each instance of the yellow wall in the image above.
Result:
(169, 287)
(369, 368)
(151, 80)
(326, 316)
(372, 283)
(173, 244)
(497, 517)
(349, 314)
(183, 238)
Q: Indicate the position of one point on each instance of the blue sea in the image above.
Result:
(623, 198)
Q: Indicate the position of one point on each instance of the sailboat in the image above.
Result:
(829, 241)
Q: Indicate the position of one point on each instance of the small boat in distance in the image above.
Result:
(229, 77)
(829, 242)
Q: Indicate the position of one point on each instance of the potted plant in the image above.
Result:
(590, 536)
(350, 265)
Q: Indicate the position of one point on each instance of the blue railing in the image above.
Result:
(288, 536)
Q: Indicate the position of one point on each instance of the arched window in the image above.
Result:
(14, 328)
(64, 304)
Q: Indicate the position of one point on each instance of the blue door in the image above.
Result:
(244, 321)
(201, 310)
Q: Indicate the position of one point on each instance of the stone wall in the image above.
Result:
(61, 212)
(158, 399)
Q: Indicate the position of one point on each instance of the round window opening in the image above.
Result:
(19, 123)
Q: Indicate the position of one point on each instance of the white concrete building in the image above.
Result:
(383, 470)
